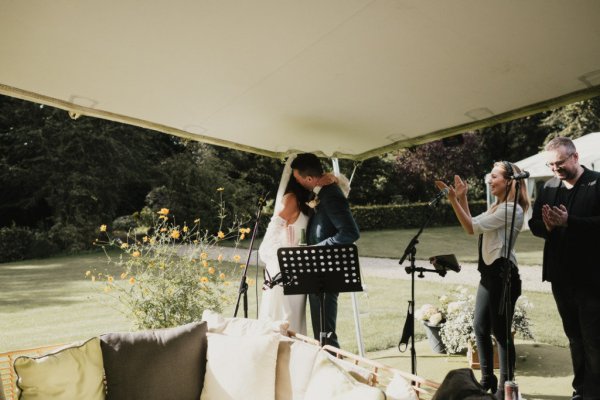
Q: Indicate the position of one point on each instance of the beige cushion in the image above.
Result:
(240, 367)
(295, 361)
(242, 326)
(330, 382)
(400, 389)
(73, 372)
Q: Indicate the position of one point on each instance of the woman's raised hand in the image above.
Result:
(460, 187)
(442, 186)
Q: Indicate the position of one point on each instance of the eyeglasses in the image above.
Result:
(560, 163)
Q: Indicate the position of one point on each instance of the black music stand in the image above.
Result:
(319, 270)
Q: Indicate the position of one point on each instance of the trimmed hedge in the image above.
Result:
(22, 243)
(401, 216)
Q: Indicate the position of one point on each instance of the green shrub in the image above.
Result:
(168, 277)
(15, 242)
(22, 243)
(70, 238)
(401, 216)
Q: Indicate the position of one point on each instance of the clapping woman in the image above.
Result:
(494, 230)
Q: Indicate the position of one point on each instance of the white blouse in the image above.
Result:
(491, 225)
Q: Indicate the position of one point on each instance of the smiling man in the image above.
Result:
(567, 215)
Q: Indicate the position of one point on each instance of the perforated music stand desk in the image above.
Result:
(319, 270)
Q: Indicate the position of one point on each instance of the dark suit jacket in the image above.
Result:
(332, 223)
(571, 254)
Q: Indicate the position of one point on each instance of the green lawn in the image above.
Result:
(49, 301)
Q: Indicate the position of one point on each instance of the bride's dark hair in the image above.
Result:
(302, 195)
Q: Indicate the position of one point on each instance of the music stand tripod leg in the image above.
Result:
(322, 333)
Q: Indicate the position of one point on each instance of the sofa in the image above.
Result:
(216, 358)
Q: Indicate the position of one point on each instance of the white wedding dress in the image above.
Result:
(274, 304)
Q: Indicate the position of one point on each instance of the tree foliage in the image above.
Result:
(62, 178)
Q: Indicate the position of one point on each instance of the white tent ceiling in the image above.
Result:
(348, 78)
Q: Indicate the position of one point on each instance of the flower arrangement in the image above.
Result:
(457, 331)
(430, 315)
(170, 275)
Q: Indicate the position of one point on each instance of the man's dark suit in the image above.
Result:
(332, 223)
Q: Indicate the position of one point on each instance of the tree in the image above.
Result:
(59, 173)
(573, 120)
(418, 167)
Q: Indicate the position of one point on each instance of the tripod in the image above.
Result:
(243, 288)
(408, 331)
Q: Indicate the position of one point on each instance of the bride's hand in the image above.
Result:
(460, 187)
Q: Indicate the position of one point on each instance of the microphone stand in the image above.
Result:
(410, 252)
(243, 288)
(505, 299)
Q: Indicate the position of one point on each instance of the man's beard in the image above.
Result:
(568, 174)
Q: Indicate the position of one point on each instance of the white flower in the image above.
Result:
(436, 318)
(315, 201)
(456, 306)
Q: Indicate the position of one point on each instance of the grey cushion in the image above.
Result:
(157, 364)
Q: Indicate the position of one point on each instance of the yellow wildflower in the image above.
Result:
(242, 236)
(102, 228)
(124, 245)
(204, 279)
(163, 211)
(220, 189)
(145, 239)
(242, 265)
(211, 270)
(203, 255)
(236, 258)
(131, 280)
(185, 228)
(123, 275)
(163, 229)
(222, 275)
(175, 234)
(152, 240)
(110, 279)
(163, 217)
(221, 235)
(136, 253)
(205, 263)
(88, 273)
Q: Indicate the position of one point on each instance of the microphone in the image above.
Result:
(520, 175)
(442, 193)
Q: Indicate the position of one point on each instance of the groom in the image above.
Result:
(332, 223)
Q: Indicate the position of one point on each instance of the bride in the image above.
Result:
(288, 224)
(285, 229)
